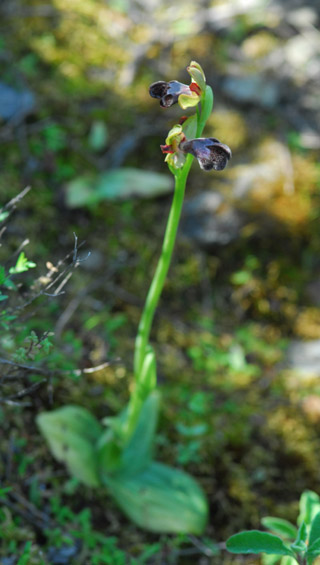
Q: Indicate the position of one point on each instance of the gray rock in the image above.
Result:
(256, 89)
(313, 291)
(209, 221)
(304, 357)
(15, 104)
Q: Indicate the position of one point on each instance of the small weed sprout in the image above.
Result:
(120, 456)
(287, 544)
(28, 360)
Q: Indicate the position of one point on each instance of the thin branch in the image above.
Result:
(26, 391)
(90, 370)
(14, 201)
(52, 270)
(30, 368)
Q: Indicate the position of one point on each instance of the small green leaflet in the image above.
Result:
(309, 506)
(22, 264)
(257, 542)
(280, 526)
(315, 530)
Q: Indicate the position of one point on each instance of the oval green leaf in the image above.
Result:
(120, 184)
(309, 506)
(117, 184)
(314, 549)
(257, 542)
(315, 530)
(72, 433)
(280, 526)
(161, 499)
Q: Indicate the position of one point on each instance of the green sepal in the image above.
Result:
(197, 74)
(254, 541)
(175, 160)
(72, 433)
(280, 526)
(161, 499)
(175, 131)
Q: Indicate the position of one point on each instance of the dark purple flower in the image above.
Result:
(169, 92)
(210, 153)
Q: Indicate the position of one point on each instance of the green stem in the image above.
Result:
(162, 267)
(159, 277)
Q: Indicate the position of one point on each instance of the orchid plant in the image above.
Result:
(118, 453)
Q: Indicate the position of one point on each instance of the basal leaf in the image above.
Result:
(117, 184)
(161, 499)
(127, 182)
(81, 191)
(72, 433)
(98, 136)
(136, 455)
(255, 541)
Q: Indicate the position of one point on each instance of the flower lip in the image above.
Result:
(158, 89)
(168, 92)
(211, 154)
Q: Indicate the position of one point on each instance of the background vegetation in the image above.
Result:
(238, 329)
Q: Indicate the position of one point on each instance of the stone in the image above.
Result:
(304, 357)
(15, 104)
(257, 89)
(208, 220)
